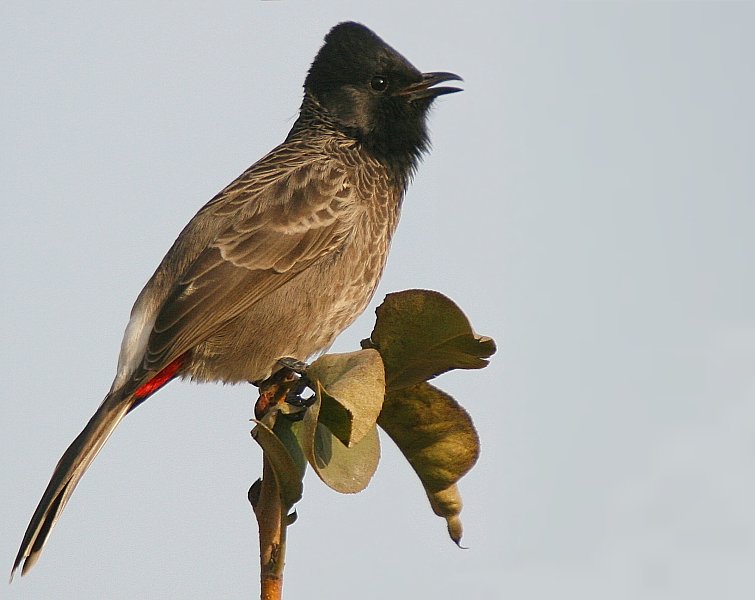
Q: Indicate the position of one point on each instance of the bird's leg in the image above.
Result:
(294, 364)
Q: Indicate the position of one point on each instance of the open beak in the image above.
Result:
(424, 88)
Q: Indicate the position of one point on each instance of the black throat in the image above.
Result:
(399, 147)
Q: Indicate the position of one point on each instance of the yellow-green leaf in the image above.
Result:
(352, 391)
(287, 473)
(289, 433)
(439, 440)
(344, 469)
(447, 504)
(421, 334)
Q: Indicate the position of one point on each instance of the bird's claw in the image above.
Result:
(294, 396)
(294, 364)
(297, 401)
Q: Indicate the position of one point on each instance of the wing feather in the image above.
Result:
(273, 233)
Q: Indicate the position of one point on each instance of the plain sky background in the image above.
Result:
(589, 203)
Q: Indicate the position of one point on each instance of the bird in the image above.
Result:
(281, 260)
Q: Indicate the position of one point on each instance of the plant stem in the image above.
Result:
(271, 522)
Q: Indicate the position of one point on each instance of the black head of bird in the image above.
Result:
(371, 93)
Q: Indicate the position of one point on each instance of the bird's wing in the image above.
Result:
(275, 229)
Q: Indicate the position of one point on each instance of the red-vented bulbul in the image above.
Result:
(280, 261)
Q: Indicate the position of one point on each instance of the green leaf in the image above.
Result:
(421, 334)
(289, 433)
(344, 469)
(352, 388)
(439, 440)
(288, 474)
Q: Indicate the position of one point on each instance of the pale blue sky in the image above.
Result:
(589, 202)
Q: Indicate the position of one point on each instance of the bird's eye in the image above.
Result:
(378, 83)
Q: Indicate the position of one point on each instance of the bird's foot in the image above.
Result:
(284, 389)
(296, 401)
(273, 391)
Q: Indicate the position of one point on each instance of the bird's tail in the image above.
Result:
(67, 474)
